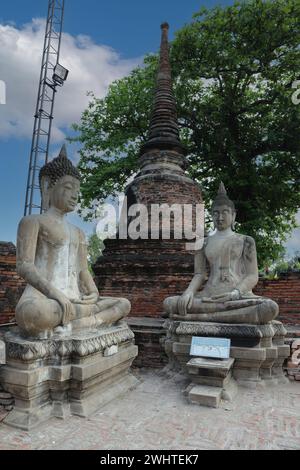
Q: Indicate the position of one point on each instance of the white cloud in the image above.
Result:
(92, 68)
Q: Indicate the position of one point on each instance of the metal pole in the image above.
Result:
(45, 100)
(36, 117)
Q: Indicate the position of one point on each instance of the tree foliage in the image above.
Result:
(95, 248)
(233, 70)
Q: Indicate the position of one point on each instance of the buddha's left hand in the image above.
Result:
(233, 295)
(88, 299)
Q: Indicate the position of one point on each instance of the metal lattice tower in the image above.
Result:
(45, 103)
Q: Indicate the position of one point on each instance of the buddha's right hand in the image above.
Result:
(185, 302)
(66, 305)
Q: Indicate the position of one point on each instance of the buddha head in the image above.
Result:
(223, 210)
(60, 183)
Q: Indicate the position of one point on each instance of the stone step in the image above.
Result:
(205, 395)
(215, 367)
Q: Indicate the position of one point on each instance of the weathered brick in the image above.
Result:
(11, 285)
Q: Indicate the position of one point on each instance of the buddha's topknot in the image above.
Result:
(222, 198)
(59, 167)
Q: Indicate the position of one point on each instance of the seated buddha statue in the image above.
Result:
(60, 295)
(225, 295)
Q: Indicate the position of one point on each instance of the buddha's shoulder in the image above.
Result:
(249, 241)
(32, 220)
(249, 245)
(245, 238)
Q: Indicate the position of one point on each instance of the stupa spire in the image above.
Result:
(163, 130)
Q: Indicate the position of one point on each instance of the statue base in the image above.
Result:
(64, 375)
(211, 381)
(258, 350)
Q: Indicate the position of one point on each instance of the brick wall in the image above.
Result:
(11, 285)
(146, 292)
(145, 272)
(286, 292)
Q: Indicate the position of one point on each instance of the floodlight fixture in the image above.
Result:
(60, 74)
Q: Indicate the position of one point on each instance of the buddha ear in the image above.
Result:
(45, 192)
(233, 219)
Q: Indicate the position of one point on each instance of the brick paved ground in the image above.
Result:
(156, 416)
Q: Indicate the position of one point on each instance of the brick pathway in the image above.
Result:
(156, 416)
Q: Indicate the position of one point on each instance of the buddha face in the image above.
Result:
(64, 194)
(223, 217)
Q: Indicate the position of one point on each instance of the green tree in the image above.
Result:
(233, 70)
(95, 248)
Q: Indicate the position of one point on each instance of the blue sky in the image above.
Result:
(129, 26)
(103, 40)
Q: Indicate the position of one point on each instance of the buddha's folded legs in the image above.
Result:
(36, 315)
(252, 311)
(106, 311)
(40, 314)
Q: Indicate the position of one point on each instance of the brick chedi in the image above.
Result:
(147, 270)
(11, 285)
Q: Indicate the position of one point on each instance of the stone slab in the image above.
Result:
(22, 419)
(256, 354)
(205, 396)
(243, 335)
(181, 348)
(84, 408)
(272, 352)
(210, 380)
(283, 351)
(84, 372)
(199, 363)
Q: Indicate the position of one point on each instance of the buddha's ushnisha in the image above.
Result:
(60, 295)
(226, 295)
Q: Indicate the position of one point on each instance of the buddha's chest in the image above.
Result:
(224, 252)
(59, 240)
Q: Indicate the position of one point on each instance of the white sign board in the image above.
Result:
(210, 347)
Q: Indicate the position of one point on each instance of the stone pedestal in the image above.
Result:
(257, 349)
(211, 381)
(147, 334)
(67, 375)
(283, 351)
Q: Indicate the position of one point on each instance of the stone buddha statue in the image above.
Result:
(61, 295)
(225, 296)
